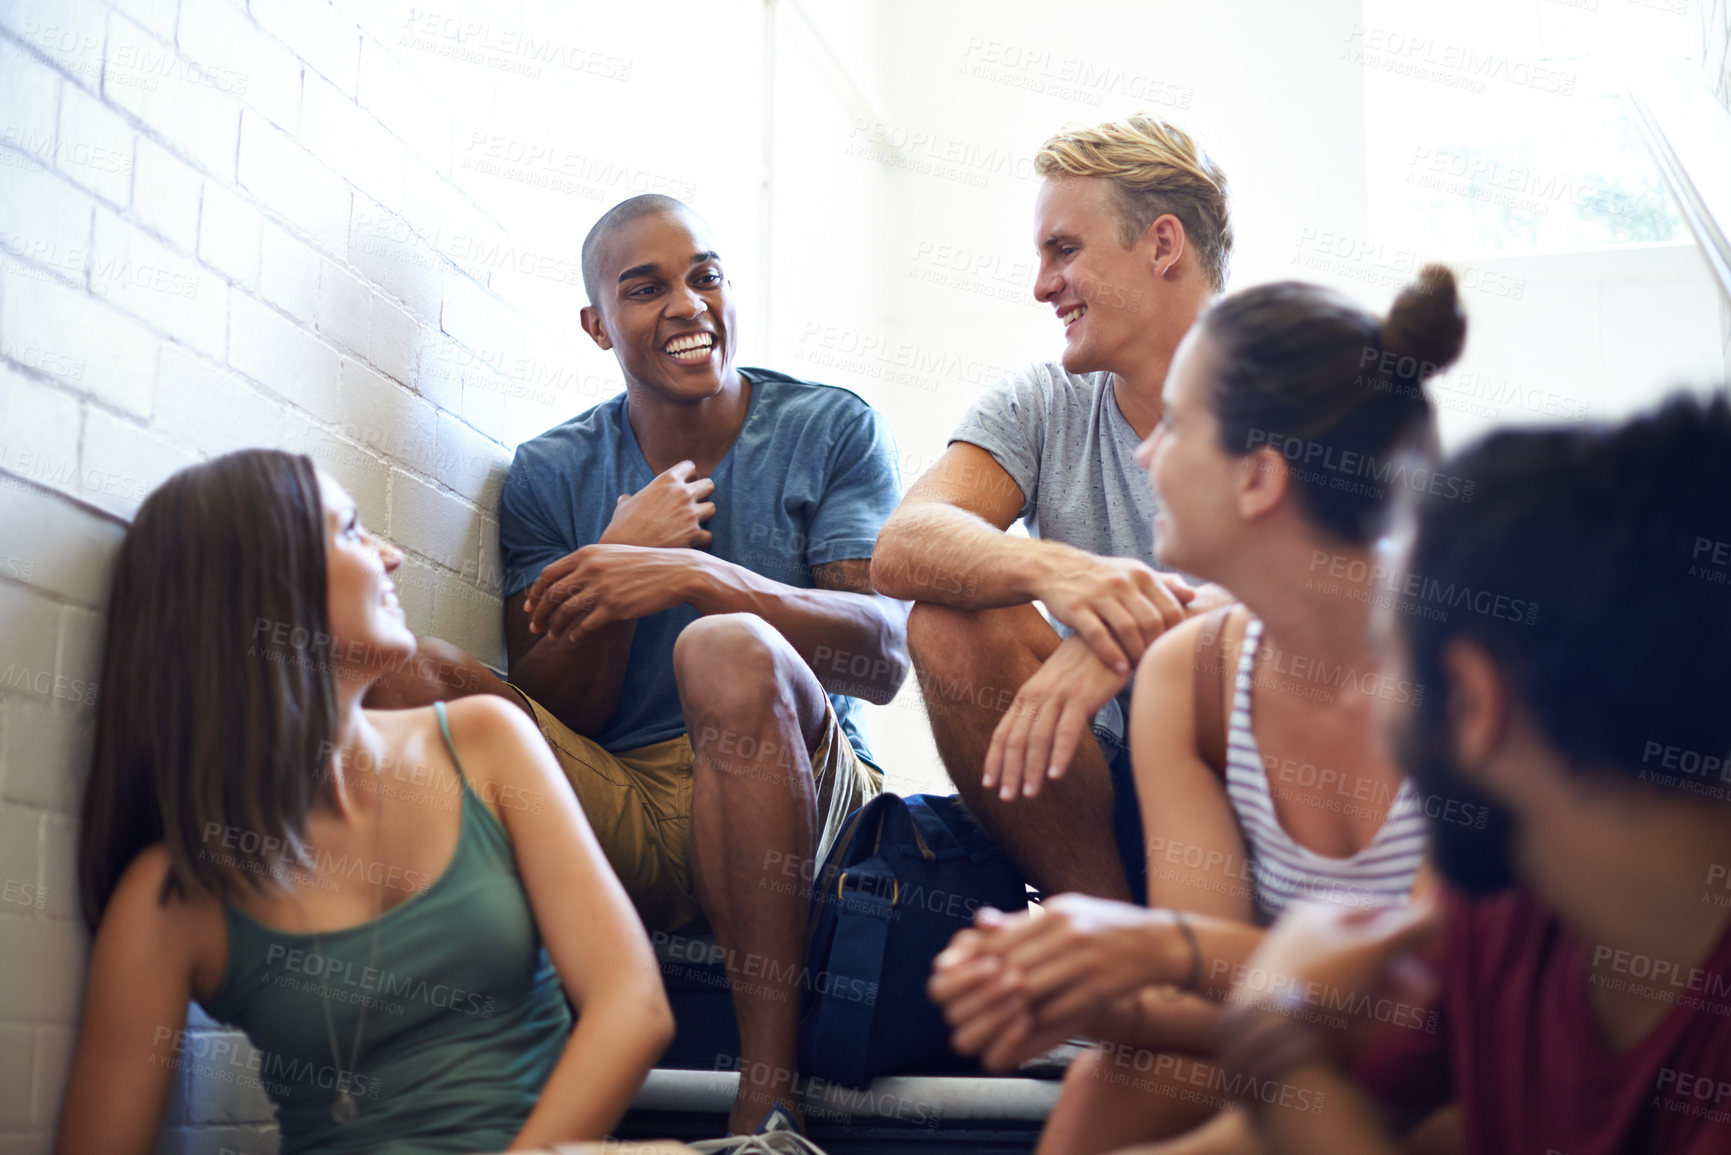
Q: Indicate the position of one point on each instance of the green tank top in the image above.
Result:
(465, 1017)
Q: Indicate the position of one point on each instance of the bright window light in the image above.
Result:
(1499, 128)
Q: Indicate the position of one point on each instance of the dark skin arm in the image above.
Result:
(874, 662)
(569, 634)
(578, 681)
(580, 685)
(570, 651)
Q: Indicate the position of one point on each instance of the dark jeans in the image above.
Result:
(1126, 814)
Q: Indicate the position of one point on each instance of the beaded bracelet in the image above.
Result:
(1192, 983)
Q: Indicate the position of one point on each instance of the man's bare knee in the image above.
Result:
(948, 638)
(735, 670)
(938, 636)
(728, 659)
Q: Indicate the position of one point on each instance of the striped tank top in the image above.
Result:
(1380, 874)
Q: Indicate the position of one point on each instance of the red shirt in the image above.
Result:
(1518, 1048)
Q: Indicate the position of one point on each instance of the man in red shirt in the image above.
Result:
(1580, 967)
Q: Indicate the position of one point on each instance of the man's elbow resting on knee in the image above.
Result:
(884, 692)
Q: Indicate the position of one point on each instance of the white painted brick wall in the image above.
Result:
(39, 735)
(352, 142)
(435, 524)
(84, 343)
(405, 104)
(44, 961)
(387, 252)
(19, 850)
(243, 59)
(95, 147)
(470, 464)
(1716, 67)
(162, 288)
(69, 548)
(165, 195)
(68, 34)
(209, 408)
(393, 340)
(206, 244)
(292, 183)
(324, 38)
(492, 579)
(288, 273)
(230, 232)
(120, 462)
(59, 865)
(342, 309)
(156, 15)
(145, 77)
(41, 430)
(30, 94)
(43, 230)
(17, 1052)
(273, 350)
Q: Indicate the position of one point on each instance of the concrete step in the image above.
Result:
(989, 1115)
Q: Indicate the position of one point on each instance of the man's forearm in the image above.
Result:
(578, 682)
(1164, 1021)
(1317, 1110)
(938, 553)
(855, 643)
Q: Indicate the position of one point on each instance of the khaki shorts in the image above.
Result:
(638, 802)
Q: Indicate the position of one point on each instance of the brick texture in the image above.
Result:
(205, 246)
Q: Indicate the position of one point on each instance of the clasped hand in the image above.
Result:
(602, 584)
(1013, 986)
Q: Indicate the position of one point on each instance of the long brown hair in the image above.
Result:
(219, 702)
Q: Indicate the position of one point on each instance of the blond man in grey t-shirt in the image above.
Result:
(1133, 233)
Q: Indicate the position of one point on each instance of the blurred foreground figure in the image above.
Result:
(1576, 983)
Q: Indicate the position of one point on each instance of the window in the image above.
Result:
(1494, 127)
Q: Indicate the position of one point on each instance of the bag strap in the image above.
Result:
(1209, 667)
(840, 1029)
(833, 866)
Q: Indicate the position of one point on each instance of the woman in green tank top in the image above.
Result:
(392, 905)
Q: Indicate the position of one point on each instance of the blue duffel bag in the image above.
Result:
(901, 879)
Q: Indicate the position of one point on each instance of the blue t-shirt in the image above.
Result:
(810, 480)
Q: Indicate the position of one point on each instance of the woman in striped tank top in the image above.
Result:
(1289, 432)
(1292, 422)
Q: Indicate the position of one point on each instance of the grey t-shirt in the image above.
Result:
(1063, 440)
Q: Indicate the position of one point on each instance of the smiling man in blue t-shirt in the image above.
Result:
(690, 616)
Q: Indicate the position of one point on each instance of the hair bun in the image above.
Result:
(1425, 324)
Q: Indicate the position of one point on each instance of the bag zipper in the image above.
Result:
(925, 851)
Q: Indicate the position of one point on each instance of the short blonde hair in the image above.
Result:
(1156, 168)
